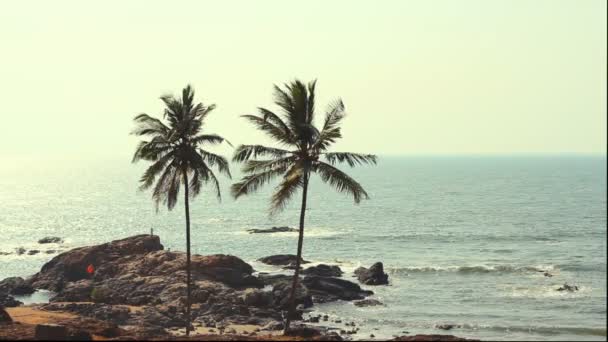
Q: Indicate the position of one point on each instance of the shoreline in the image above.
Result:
(229, 299)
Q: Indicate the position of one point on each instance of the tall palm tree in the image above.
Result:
(175, 148)
(303, 152)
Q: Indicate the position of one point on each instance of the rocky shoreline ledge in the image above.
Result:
(137, 291)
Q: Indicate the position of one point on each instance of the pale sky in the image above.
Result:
(417, 77)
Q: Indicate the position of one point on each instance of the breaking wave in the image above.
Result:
(472, 269)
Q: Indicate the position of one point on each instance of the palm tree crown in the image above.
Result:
(304, 148)
(176, 147)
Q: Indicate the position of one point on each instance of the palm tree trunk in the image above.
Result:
(187, 254)
(296, 276)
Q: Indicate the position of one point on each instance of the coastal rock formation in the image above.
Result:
(273, 230)
(281, 260)
(372, 276)
(134, 282)
(50, 239)
(16, 286)
(323, 270)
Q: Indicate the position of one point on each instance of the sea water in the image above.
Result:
(465, 240)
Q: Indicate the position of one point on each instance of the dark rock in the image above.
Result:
(51, 332)
(79, 291)
(79, 335)
(323, 270)
(447, 326)
(367, 302)
(281, 260)
(33, 251)
(258, 298)
(50, 239)
(8, 301)
(303, 331)
(372, 276)
(569, 288)
(272, 230)
(15, 286)
(282, 291)
(19, 250)
(4, 316)
(326, 289)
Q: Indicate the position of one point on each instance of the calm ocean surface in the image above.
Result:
(463, 238)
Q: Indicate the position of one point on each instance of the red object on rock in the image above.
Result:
(90, 269)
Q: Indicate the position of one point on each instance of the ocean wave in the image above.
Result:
(472, 269)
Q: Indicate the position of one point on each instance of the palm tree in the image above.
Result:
(303, 148)
(175, 149)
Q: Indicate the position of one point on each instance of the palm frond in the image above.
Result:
(212, 159)
(147, 125)
(251, 183)
(246, 152)
(331, 130)
(279, 134)
(254, 166)
(293, 179)
(351, 158)
(212, 139)
(340, 181)
(147, 179)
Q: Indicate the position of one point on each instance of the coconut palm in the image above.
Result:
(303, 152)
(175, 148)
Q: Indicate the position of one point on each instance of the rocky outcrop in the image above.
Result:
(327, 289)
(15, 286)
(372, 276)
(50, 239)
(323, 270)
(281, 260)
(273, 230)
(72, 266)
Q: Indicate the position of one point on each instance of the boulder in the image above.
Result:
(323, 270)
(50, 332)
(33, 252)
(569, 288)
(50, 239)
(4, 316)
(326, 289)
(367, 302)
(372, 276)
(72, 266)
(15, 286)
(281, 292)
(8, 301)
(272, 230)
(281, 260)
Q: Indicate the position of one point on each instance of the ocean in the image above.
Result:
(465, 239)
